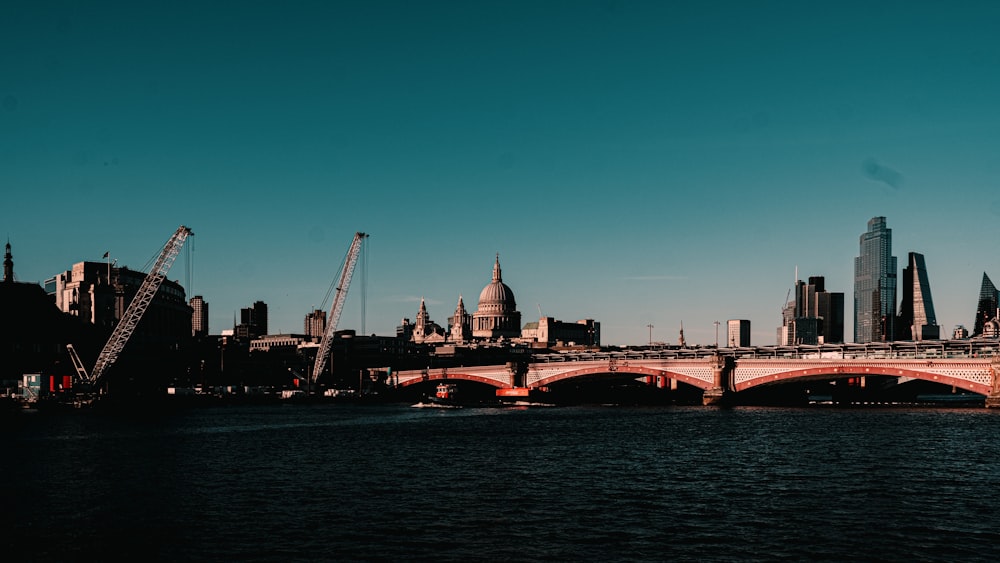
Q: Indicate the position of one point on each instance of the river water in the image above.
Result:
(394, 483)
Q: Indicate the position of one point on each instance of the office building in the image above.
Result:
(916, 311)
(253, 322)
(315, 323)
(739, 333)
(786, 332)
(99, 293)
(199, 316)
(989, 301)
(875, 285)
(830, 308)
(816, 316)
(552, 332)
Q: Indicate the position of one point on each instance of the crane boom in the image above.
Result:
(143, 297)
(338, 303)
(81, 372)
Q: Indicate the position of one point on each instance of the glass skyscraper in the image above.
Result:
(989, 300)
(875, 285)
(916, 312)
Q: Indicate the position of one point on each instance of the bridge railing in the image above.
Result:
(971, 348)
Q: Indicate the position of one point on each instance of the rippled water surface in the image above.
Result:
(336, 483)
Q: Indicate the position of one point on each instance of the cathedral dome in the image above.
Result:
(497, 296)
(497, 315)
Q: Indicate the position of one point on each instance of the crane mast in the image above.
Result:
(338, 304)
(143, 297)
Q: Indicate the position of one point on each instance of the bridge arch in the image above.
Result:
(836, 371)
(626, 371)
(451, 376)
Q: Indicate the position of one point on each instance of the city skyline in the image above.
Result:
(257, 313)
(635, 163)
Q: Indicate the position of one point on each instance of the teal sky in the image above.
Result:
(633, 162)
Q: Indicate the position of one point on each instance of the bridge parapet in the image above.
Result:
(971, 374)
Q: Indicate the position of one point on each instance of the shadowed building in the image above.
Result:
(875, 285)
(35, 331)
(99, 294)
(916, 311)
(253, 322)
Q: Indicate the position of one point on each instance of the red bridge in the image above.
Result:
(723, 373)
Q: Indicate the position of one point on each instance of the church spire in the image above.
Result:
(8, 265)
(496, 269)
(460, 328)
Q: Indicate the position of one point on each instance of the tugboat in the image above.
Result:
(445, 397)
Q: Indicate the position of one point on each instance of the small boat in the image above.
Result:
(445, 397)
(446, 392)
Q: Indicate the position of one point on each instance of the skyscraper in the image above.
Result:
(916, 311)
(253, 321)
(989, 301)
(815, 317)
(875, 285)
(315, 323)
(739, 333)
(199, 316)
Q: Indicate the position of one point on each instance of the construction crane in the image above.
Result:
(126, 326)
(81, 372)
(346, 272)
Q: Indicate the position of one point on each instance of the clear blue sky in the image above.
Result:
(633, 162)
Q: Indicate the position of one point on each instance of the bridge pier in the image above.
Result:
(719, 393)
(993, 399)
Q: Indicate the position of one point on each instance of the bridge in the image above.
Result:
(724, 373)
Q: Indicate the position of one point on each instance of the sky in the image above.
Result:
(637, 163)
